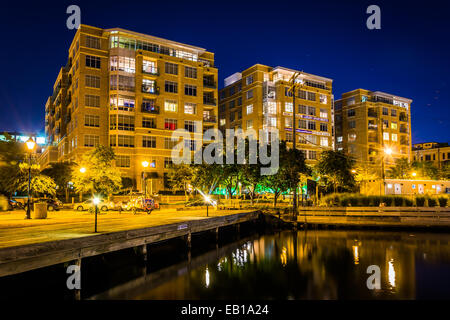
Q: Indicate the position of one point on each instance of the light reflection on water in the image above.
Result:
(318, 264)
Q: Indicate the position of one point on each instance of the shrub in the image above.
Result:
(387, 200)
(398, 201)
(365, 201)
(408, 202)
(376, 200)
(420, 201)
(353, 201)
(344, 201)
(443, 202)
(432, 202)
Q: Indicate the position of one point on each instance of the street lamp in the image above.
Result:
(414, 174)
(96, 201)
(83, 170)
(353, 171)
(30, 146)
(145, 164)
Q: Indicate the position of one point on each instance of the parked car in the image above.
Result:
(13, 204)
(52, 204)
(141, 204)
(89, 205)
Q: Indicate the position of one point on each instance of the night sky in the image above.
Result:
(408, 57)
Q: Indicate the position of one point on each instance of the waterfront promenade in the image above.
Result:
(69, 235)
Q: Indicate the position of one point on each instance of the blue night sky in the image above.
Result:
(409, 56)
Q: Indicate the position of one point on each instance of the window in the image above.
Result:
(121, 103)
(190, 72)
(189, 144)
(385, 124)
(190, 108)
(123, 64)
(148, 86)
(352, 124)
(272, 122)
(394, 125)
(323, 113)
(311, 125)
(92, 81)
(148, 142)
(149, 122)
(249, 109)
(170, 124)
(249, 94)
(170, 86)
(239, 101)
(120, 82)
(288, 122)
(271, 108)
(393, 112)
(91, 120)
(92, 101)
(302, 94)
(91, 140)
(312, 155)
(289, 137)
(323, 99)
(190, 90)
(386, 136)
(288, 107)
(323, 127)
(125, 141)
(324, 141)
(171, 68)
(287, 93)
(302, 124)
(302, 109)
(311, 111)
(222, 122)
(92, 42)
(125, 122)
(351, 137)
(385, 111)
(149, 105)
(249, 124)
(232, 104)
(189, 125)
(249, 80)
(232, 90)
(311, 96)
(169, 143)
(351, 101)
(351, 112)
(93, 62)
(167, 162)
(149, 67)
(171, 106)
(123, 161)
(394, 137)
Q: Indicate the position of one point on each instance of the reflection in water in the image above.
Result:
(317, 264)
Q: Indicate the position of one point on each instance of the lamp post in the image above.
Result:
(144, 165)
(96, 201)
(30, 146)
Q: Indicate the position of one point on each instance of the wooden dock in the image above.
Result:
(22, 258)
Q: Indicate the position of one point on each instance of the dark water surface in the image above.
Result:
(313, 264)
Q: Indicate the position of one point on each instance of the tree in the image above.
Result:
(12, 153)
(40, 184)
(334, 168)
(401, 170)
(427, 170)
(61, 173)
(100, 175)
(180, 177)
(363, 173)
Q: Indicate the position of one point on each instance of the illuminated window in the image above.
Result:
(249, 124)
(386, 136)
(394, 137)
(323, 99)
(123, 64)
(323, 113)
(170, 105)
(324, 141)
(288, 107)
(189, 108)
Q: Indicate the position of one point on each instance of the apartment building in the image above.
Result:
(373, 126)
(259, 97)
(130, 91)
(437, 153)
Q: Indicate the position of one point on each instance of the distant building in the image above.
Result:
(437, 153)
(370, 122)
(258, 98)
(24, 136)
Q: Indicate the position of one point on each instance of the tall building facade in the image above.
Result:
(129, 91)
(437, 153)
(373, 126)
(259, 97)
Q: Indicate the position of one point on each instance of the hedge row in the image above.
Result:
(353, 200)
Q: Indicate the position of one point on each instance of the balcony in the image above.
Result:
(403, 130)
(403, 118)
(209, 84)
(372, 126)
(209, 118)
(154, 71)
(209, 101)
(150, 90)
(150, 109)
(372, 114)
